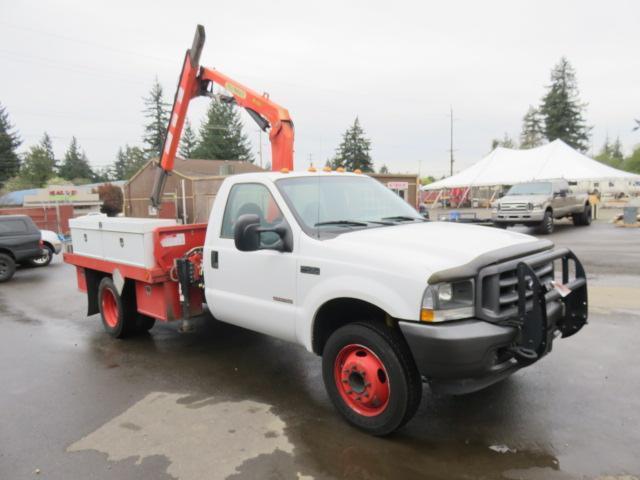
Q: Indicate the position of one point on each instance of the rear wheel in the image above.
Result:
(119, 315)
(546, 226)
(44, 260)
(7, 267)
(371, 377)
(583, 218)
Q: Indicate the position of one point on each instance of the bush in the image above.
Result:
(112, 199)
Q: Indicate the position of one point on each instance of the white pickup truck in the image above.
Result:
(339, 264)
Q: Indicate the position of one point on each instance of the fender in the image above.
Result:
(358, 287)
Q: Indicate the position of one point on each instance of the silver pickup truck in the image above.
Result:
(539, 203)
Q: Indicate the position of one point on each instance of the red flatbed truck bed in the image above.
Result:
(156, 289)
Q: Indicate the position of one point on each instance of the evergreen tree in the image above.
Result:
(353, 151)
(562, 110)
(384, 169)
(222, 136)
(505, 142)
(632, 163)
(157, 112)
(102, 174)
(36, 168)
(128, 161)
(532, 129)
(9, 142)
(637, 127)
(75, 165)
(188, 141)
(611, 153)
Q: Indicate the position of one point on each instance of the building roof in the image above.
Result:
(16, 198)
(506, 166)
(198, 168)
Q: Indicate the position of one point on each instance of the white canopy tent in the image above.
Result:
(506, 166)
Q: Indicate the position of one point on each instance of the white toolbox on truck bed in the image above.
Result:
(116, 239)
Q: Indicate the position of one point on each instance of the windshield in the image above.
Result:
(537, 188)
(341, 202)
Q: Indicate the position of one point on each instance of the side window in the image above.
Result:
(251, 198)
(12, 227)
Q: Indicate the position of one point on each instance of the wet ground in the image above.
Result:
(228, 403)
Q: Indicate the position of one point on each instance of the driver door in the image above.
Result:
(254, 290)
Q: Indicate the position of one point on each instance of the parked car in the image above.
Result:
(51, 245)
(539, 203)
(20, 242)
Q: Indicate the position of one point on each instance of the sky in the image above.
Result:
(82, 68)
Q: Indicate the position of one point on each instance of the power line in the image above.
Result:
(87, 42)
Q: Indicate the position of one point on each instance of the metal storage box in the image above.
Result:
(116, 239)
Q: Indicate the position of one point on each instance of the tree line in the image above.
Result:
(561, 115)
(220, 136)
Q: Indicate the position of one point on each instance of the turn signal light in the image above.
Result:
(427, 315)
(284, 170)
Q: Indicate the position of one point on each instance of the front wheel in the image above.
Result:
(371, 377)
(546, 226)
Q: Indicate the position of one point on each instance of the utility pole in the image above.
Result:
(260, 146)
(451, 141)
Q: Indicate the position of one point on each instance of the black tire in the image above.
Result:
(44, 260)
(118, 312)
(582, 219)
(546, 226)
(404, 382)
(7, 267)
(501, 225)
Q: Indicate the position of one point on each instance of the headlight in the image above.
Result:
(447, 301)
(537, 206)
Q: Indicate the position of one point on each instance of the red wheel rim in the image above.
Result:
(361, 380)
(109, 308)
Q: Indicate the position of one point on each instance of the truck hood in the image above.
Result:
(524, 199)
(435, 250)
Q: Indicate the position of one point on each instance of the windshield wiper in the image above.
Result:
(404, 218)
(349, 223)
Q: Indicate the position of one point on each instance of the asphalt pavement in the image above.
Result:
(224, 402)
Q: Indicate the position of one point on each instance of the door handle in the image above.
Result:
(214, 259)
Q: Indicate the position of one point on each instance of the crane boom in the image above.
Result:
(197, 81)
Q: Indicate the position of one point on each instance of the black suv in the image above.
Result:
(19, 242)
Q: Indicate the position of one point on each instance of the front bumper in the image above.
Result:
(528, 216)
(468, 355)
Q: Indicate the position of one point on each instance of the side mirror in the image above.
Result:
(247, 232)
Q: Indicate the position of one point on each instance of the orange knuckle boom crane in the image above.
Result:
(196, 81)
